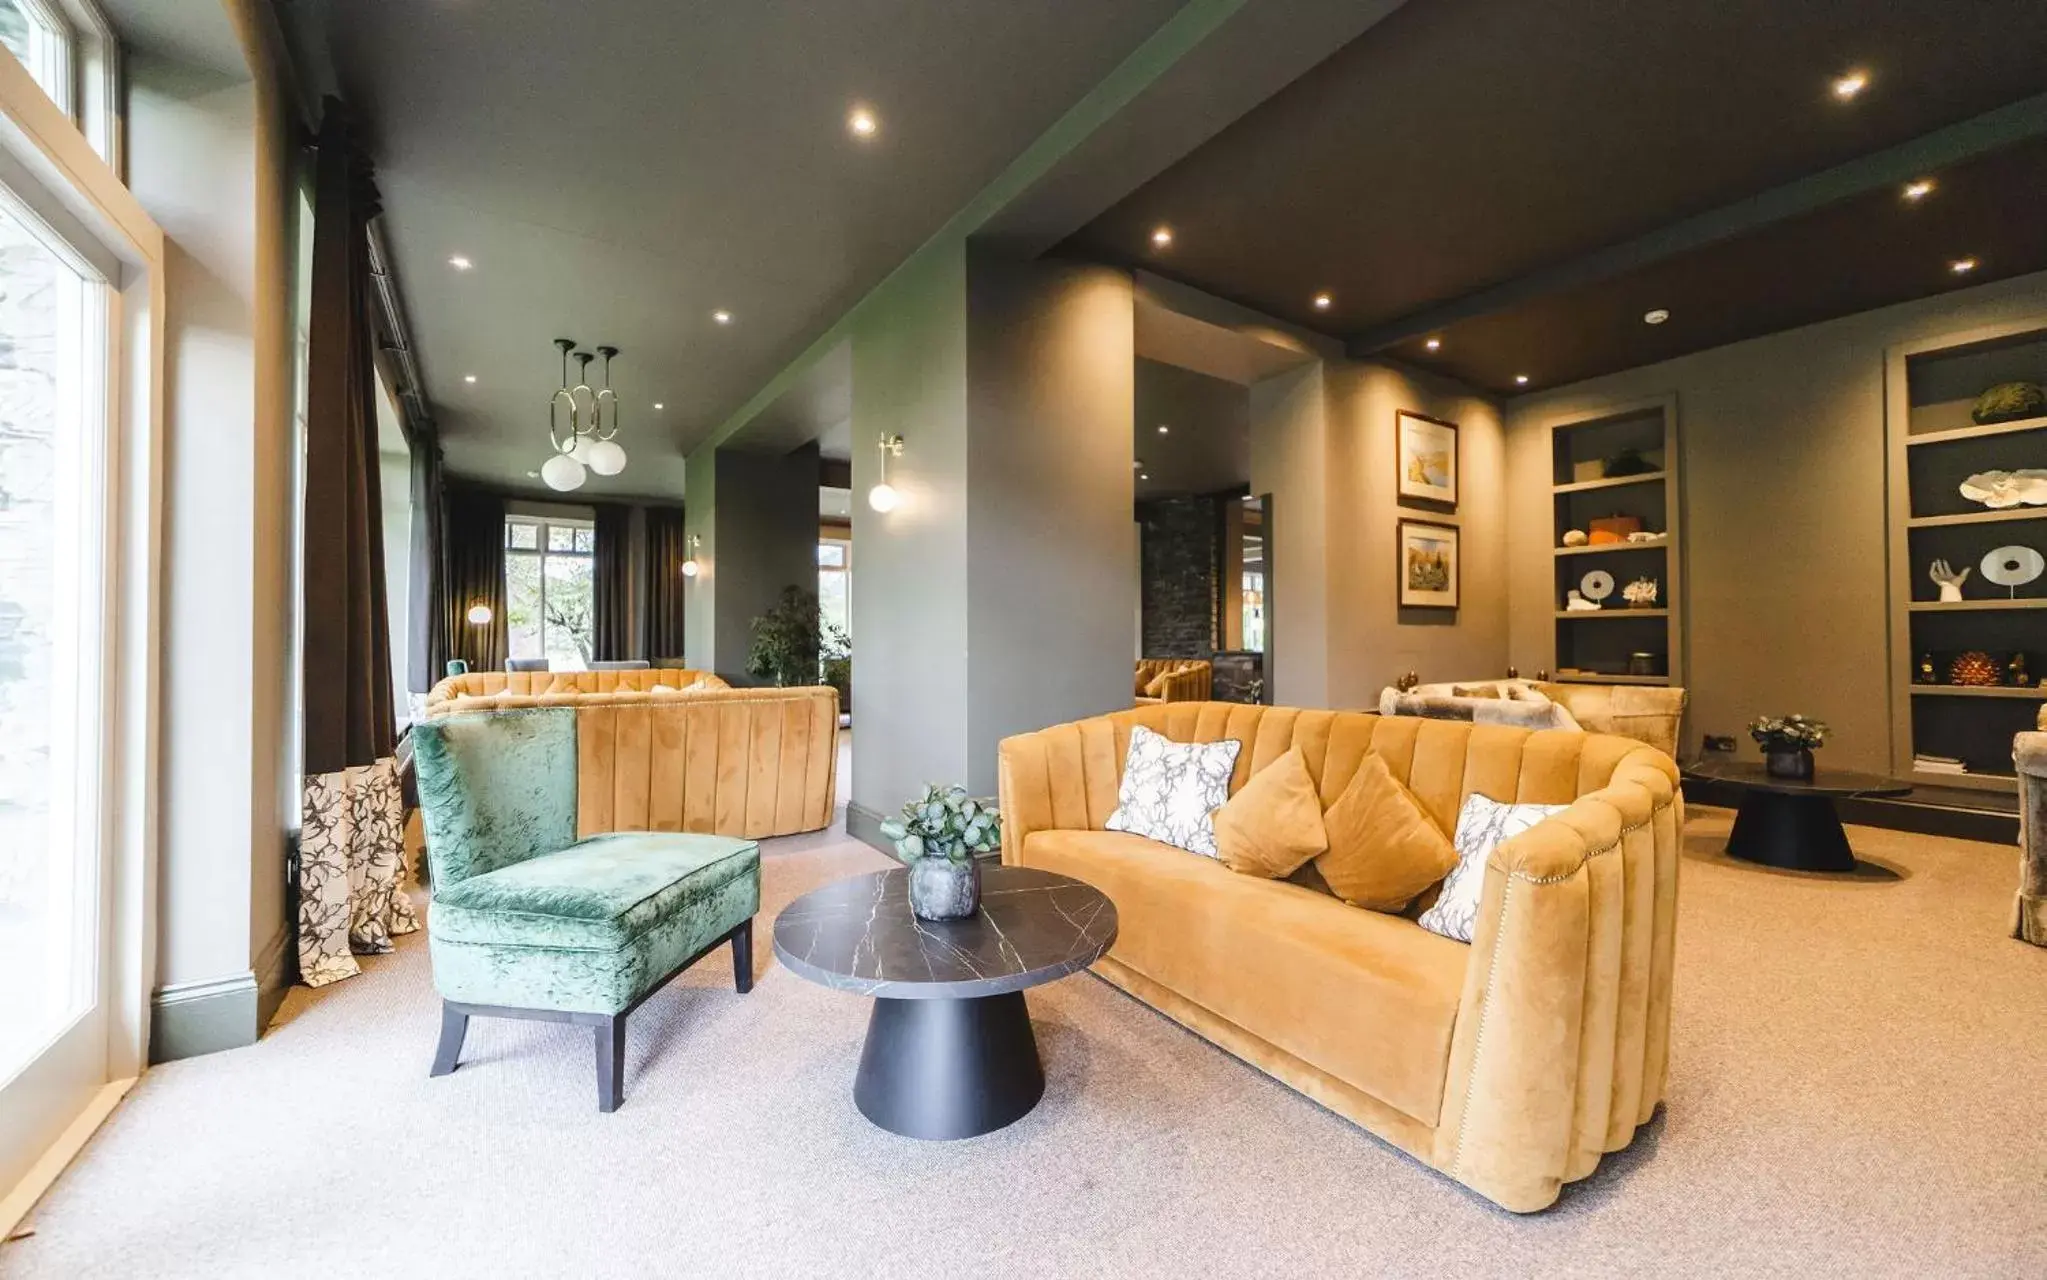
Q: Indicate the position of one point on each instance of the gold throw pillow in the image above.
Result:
(1384, 849)
(1274, 824)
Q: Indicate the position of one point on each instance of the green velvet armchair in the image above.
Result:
(530, 922)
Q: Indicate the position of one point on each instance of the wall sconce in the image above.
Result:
(883, 497)
(480, 614)
(689, 566)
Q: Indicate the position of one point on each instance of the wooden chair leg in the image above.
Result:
(742, 957)
(454, 1025)
(610, 1063)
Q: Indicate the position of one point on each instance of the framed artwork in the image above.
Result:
(1427, 457)
(1428, 565)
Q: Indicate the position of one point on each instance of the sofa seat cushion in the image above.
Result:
(1369, 998)
(596, 895)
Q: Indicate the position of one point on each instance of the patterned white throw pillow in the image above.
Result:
(1482, 824)
(1171, 790)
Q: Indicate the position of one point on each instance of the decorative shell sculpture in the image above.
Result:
(1973, 668)
(2000, 489)
(1574, 537)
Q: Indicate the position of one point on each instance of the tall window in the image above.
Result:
(33, 31)
(834, 583)
(548, 577)
(53, 369)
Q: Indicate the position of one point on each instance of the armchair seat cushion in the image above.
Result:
(596, 895)
(593, 927)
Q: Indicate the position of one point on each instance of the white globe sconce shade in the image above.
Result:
(605, 457)
(562, 473)
(480, 614)
(884, 498)
(689, 568)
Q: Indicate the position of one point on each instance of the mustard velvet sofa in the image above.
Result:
(1512, 1063)
(2029, 753)
(500, 690)
(730, 762)
(1186, 680)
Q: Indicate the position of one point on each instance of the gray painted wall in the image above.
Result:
(910, 566)
(1782, 445)
(766, 524)
(1050, 541)
(1289, 461)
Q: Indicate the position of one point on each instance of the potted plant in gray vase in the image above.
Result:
(938, 836)
(1788, 743)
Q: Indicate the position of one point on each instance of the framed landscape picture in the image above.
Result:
(1428, 565)
(1427, 457)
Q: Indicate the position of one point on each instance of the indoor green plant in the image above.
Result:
(789, 640)
(939, 836)
(1788, 743)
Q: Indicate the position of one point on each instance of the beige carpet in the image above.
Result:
(1857, 1084)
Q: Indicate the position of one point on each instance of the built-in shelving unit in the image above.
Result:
(1931, 387)
(1598, 646)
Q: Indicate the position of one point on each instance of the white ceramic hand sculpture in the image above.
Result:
(1949, 582)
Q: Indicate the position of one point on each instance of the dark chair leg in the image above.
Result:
(454, 1026)
(742, 957)
(610, 1063)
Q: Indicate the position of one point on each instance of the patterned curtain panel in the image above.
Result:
(352, 871)
(351, 853)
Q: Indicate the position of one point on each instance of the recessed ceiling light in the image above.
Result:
(1144, 475)
(1162, 236)
(460, 263)
(1520, 379)
(722, 316)
(1164, 429)
(659, 405)
(469, 377)
(532, 475)
(1919, 189)
(1658, 316)
(1434, 344)
(862, 123)
(1322, 301)
(1848, 86)
(1962, 266)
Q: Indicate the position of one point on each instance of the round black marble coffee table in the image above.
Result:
(949, 1052)
(1791, 822)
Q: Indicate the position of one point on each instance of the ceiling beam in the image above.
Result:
(1211, 62)
(1991, 131)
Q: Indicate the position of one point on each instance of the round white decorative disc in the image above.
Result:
(1597, 585)
(2013, 566)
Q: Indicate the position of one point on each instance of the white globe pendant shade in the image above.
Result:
(562, 473)
(884, 498)
(580, 450)
(605, 457)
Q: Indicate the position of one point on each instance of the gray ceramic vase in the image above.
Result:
(941, 889)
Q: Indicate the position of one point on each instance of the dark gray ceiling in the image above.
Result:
(617, 169)
(1462, 144)
(1207, 445)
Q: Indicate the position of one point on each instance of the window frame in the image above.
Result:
(80, 70)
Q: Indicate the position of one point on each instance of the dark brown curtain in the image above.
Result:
(611, 585)
(473, 573)
(666, 550)
(427, 645)
(347, 640)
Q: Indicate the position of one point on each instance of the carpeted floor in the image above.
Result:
(1856, 1088)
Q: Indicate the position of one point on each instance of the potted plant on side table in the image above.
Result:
(1788, 743)
(938, 836)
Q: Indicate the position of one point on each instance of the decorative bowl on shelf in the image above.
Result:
(1999, 490)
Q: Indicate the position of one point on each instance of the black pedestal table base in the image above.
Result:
(1798, 833)
(949, 1068)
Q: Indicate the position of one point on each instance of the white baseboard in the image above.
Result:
(42, 1175)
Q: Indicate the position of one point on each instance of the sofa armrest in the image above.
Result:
(1563, 1030)
(1190, 685)
(2029, 753)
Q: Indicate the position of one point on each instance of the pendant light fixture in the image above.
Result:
(588, 444)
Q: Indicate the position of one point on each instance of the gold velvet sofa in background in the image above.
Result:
(506, 687)
(1176, 680)
(731, 762)
(2029, 754)
(1512, 1063)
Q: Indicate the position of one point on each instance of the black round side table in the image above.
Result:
(1791, 822)
(950, 1052)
